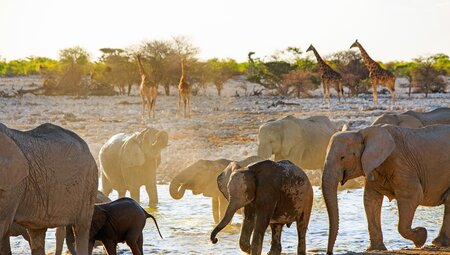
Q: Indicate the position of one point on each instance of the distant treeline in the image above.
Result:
(285, 72)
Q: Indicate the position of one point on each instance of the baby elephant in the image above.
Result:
(271, 192)
(115, 222)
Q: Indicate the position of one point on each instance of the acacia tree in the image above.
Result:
(427, 78)
(355, 75)
(220, 71)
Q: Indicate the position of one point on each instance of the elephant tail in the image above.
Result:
(147, 215)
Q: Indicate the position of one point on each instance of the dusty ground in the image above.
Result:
(220, 127)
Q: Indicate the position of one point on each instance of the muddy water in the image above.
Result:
(186, 224)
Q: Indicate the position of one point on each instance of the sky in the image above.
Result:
(388, 29)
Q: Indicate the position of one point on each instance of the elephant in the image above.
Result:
(49, 178)
(274, 193)
(200, 178)
(302, 141)
(115, 222)
(129, 161)
(60, 233)
(409, 165)
(412, 119)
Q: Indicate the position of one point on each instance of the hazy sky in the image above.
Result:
(389, 29)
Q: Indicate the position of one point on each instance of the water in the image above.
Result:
(187, 223)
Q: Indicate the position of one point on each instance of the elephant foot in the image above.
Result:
(376, 246)
(245, 247)
(441, 241)
(419, 237)
(274, 251)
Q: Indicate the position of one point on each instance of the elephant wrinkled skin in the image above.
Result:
(275, 193)
(130, 161)
(48, 178)
(200, 178)
(409, 165)
(412, 119)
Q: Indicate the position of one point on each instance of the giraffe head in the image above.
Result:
(310, 48)
(355, 44)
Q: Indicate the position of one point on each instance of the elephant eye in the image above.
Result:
(342, 158)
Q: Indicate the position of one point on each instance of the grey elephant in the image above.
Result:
(274, 193)
(48, 178)
(409, 165)
(200, 178)
(412, 119)
(129, 161)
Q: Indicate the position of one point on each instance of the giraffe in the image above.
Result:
(147, 89)
(184, 93)
(329, 76)
(377, 74)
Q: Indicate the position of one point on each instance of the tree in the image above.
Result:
(300, 80)
(353, 70)
(427, 78)
(220, 71)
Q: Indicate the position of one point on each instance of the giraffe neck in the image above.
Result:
(182, 71)
(141, 67)
(366, 58)
(322, 64)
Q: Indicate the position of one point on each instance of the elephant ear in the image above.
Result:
(132, 154)
(98, 220)
(378, 145)
(224, 177)
(13, 163)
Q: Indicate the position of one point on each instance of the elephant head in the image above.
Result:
(241, 189)
(143, 146)
(402, 120)
(198, 177)
(351, 154)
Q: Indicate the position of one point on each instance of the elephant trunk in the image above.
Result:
(176, 189)
(231, 210)
(264, 151)
(329, 190)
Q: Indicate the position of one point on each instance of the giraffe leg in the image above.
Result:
(328, 92)
(324, 92)
(341, 87)
(189, 107)
(179, 102)
(143, 105)
(375, 93)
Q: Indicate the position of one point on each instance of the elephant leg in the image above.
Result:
(60, 234)
(275, 244)
(135, 193)
(443, 239)
(6, 246)
(37, 241)
(70, 239)
(262, 219)
(106, 186)
(406, 210)
(302, 227)
(110, 247)
(372, 204)
(215, 209)
(247, 228)
(152, 191)
(121, 193)
(82, 235)
(134, 247)
(140, 243)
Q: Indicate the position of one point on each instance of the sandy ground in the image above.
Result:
(220, 127)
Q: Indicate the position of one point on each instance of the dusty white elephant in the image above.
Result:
(412, 119)
(48, 178)
(200, 178)
(129, 161)
(302, 141)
